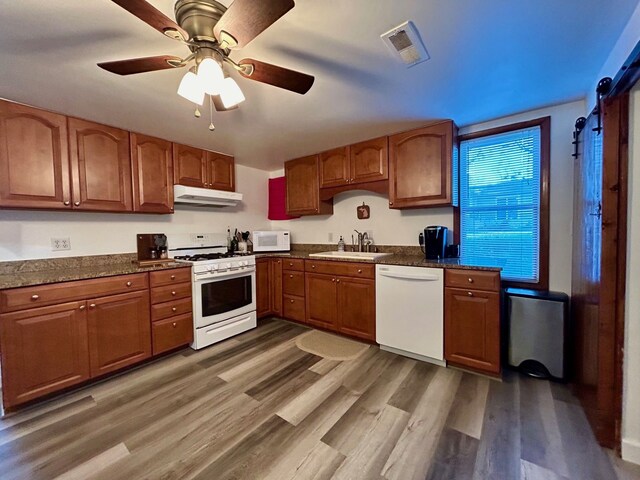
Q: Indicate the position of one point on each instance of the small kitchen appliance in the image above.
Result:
(271, 241)
(434, 242)
(223, 284)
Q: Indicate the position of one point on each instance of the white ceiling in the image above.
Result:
(488, 59)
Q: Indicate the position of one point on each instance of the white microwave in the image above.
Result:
(271, 241)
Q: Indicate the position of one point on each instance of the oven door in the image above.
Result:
(223, 297)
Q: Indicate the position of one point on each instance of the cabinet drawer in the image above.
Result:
(170, 277)
(347, 269)
(293, 307)
(293, 264)
(172, 333)
(42, 295)
(170, 309)
(474, 279)
(170, 292)
(293, 283)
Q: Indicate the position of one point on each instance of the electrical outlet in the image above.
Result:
(62, 243)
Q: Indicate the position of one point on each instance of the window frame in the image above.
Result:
(545, 154)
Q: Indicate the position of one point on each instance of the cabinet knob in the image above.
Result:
(290, 264)
(359, 270)
(290, 276)
(82, 307)
(292, 301)
(35, 297)
(173, 293)
(129, 284)
(174, 309)
(313, 266)
(174, 324)
(333, 279)
(470, 294)
(338, 281)
(93, 305)
(390, 203)
(278, 261)
(173, 277)
(470, 280)
(77, 204)
(67, 203)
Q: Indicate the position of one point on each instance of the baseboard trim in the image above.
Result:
(631, 451)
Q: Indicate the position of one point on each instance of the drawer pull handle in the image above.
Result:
(93, 305)
(173, 293)
(173, 277)
(470, 280)
(35, 297)
(174, 309)
(129, 284)
(470, 294)
(82, 307)
(292, 301)
(174, 324)
(359, 270)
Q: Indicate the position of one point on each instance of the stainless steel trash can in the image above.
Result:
(537, 323)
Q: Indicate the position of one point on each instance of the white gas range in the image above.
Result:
(224, 286)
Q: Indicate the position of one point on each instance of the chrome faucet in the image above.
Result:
(361, 241)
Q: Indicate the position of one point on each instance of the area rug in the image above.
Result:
(330, 346)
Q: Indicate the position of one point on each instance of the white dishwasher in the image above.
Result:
(409, 311)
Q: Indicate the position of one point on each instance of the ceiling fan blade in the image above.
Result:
(244, 20)
(154, 18)
(219, 106)
(141, 65)
(276, 76)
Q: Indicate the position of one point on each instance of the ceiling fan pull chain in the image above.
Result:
(197, 113)
(211, 126)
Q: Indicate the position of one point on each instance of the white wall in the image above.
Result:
(401, 227)
(631, 394)
(27, 234)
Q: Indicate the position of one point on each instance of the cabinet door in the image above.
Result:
(152, 168)
(221, 172)
(34, 158)
(472, 329)
(119, 331)
(369, 160)
(334, 167)
(100, 167)
(43, 350)
(420, 167)
(276, 286)
(357, 307)
(263, 294)
(321, 309)
(189, 166)
(303, 188)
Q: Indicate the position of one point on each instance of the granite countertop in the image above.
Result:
(41, 272)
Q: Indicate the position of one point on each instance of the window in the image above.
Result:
(503, 216)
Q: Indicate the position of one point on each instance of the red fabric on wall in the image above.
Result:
(277, 199)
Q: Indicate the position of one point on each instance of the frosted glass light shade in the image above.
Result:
(210, 75)
(191, 89)
(230, 93)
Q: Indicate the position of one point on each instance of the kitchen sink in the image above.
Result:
(350, 255)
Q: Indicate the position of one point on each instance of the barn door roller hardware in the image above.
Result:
(602, 89)
(580, 124)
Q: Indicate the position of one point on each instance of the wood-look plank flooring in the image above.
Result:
(257, 407)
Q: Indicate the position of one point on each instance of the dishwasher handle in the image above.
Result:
(408, 276)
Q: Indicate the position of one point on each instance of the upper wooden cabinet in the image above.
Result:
(220, 172)
(421, 166)
(334, 167)
(303, 188)
(152, 168)
(34, 160)
(189, 166)
(369, 161)
(100, 167)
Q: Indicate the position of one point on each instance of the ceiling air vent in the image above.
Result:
(404, 42)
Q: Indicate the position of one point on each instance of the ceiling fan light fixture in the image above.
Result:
(191, 88)
(210, 76)
(230, 93)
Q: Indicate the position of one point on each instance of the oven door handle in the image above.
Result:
(229, 274)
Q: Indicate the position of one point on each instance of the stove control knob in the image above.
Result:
(228, 265)
(214, 268)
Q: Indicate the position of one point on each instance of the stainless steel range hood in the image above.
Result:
(205, 197)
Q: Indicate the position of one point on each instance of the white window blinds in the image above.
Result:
(500, 203)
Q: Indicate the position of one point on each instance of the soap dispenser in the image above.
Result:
(341, 244)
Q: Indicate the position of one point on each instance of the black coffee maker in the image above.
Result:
(434, 242)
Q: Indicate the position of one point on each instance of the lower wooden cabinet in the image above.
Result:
(357, 307)
(119, 331)
(472, 326)
(321, 309)
(268, 287)
(43, 350)
(172, 333)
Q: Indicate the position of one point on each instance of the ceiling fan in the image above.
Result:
(212, 31)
